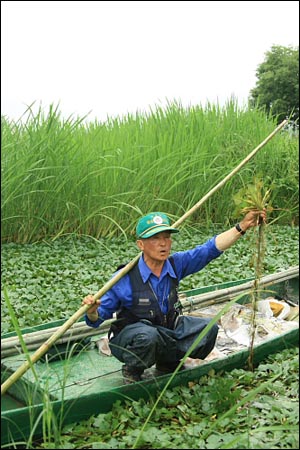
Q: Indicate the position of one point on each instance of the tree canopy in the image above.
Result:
(277, 87)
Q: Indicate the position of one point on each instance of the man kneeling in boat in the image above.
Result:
(149, 328)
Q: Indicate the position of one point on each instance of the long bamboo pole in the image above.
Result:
(45, 346)
(230, 175)
(75, 334)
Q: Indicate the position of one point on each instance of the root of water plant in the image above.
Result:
(248, 199)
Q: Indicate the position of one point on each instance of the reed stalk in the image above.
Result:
(19, 334)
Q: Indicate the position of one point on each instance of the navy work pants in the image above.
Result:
(141, 344)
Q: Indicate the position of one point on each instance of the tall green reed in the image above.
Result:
(63, 176)
(33, 392)
(47, 422)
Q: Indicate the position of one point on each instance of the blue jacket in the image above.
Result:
(186, 263)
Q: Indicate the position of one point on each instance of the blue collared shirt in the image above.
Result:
(186, 263)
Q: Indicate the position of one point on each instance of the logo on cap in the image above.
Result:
(158, 220)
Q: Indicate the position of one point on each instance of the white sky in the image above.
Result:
(107, 58)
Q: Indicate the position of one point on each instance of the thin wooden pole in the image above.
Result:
(45, 347)
(230, 175)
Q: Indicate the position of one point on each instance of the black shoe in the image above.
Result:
(167, 368)
(131, 374)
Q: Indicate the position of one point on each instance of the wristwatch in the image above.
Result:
(238, 228)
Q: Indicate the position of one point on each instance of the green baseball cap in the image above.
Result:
(153, 223)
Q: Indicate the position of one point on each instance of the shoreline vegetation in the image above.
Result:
(64, 176)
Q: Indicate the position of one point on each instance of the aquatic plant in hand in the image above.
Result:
(255, 197)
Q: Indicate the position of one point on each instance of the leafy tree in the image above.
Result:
(277, 88)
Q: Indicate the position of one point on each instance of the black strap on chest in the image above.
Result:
(145, 304)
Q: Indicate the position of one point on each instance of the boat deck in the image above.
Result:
(91, 371)
(79, 374)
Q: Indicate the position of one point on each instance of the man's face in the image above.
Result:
(156, 247)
